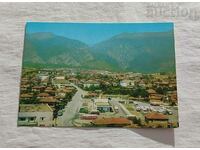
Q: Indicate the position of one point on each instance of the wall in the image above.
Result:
(187, 33)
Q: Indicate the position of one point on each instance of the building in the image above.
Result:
(126, 83)
(60, 77)
(155, 99)
(61, 93)
(60, 83)
(35, 115)
(50, 100)
(111, 122)
(26, 96)
(43, 77)
(102, 105)
(156, 120)
(88, 84)
(38, 88)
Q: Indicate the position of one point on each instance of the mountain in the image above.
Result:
(47, 49)
(138, 52)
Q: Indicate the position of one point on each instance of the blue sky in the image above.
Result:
(91, 33)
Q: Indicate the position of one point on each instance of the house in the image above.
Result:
(73, 80)
(50, 91)
(43, 95)
(126, 83)
(91, 95)
(90, 83)
(44, 82)
(38, 88)
(60, 83)
(102, 105)
(50, 100)
(155, 99)
(63, 91)
(151, 92)
(60, 77)
(156, 120)
(43, 77)
(35, 115)
(26, 96)
(111, 122)
(142, 84)
(24, 87)
(164, 84)
(89, 116)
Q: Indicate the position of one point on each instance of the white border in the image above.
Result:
(98, 148)
(99, 1)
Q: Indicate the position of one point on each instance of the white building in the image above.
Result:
(60, 77)
(90, 83)
(126, 83)
(35, 115)
(43, 77)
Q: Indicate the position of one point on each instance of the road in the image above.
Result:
(121, 109)
(71, 109)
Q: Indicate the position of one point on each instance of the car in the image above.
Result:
(144, 108)
(169, 112)
(116, 108)
(160, 110)
(60, 113)
(138, 108)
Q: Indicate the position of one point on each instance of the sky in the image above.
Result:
(92, 33)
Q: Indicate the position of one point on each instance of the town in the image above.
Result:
(96, 98)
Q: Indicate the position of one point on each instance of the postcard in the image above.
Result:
(98, 75)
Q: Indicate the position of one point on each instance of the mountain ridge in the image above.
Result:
(137, 52)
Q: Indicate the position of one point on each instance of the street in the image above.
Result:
(121, 109)
(71, 109)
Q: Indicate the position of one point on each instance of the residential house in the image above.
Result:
(111, 122)
(155, 99)
(60, 83)
(90, 83)
(35, 115)
(156, 120)
(102, 105)
(126, 83)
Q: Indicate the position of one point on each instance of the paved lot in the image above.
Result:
(174, 111)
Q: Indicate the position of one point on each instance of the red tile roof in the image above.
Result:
(43, 95)
(110, 121)
(156, 116)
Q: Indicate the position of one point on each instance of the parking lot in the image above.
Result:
(144, 108)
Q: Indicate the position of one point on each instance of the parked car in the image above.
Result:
(138, 108)
(116, 108)
(169, 112)
(60, 113)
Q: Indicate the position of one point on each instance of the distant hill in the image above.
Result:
(141, 52)
(138, 52)
(51, 50)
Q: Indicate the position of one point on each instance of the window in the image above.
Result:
(22, 118)
(31, 119)
(42, 118)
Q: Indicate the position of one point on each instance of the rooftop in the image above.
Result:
(102, 104)
(156, 116)
(49, 99)
(111, 121)
(34, 108)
